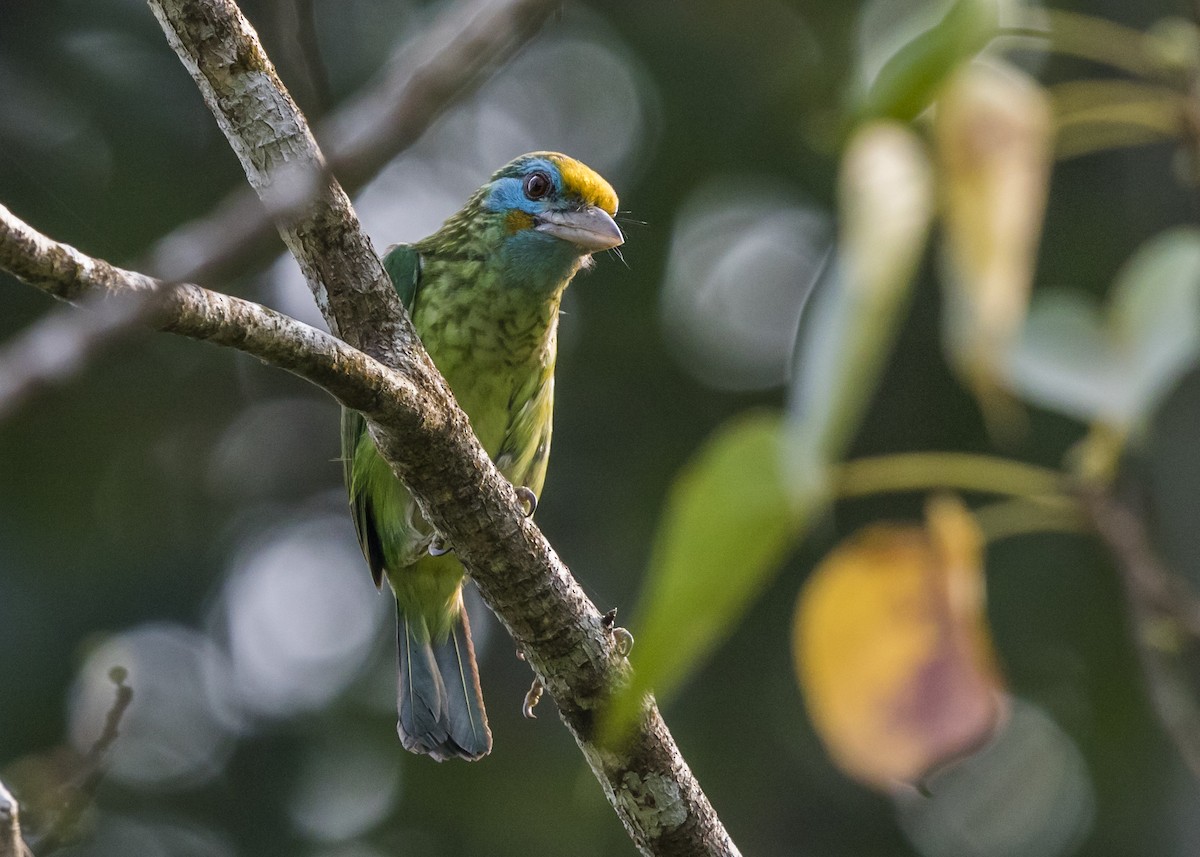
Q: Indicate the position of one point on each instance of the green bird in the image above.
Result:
(483, 293)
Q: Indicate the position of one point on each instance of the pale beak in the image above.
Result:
(591, 229)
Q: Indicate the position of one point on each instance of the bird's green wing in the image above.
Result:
(403, 265)
(354, 429)
(523, 455)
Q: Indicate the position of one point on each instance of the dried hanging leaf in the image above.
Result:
(892, 648)
(994, 137)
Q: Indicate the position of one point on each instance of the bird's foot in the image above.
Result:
(621, 636)
(532, 699)
(439, 546)
(529, 500)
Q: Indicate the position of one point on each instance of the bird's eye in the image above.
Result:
(537, 185)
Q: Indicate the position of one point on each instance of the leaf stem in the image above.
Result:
(1006, 519)
(1089, 38)
(925, 471)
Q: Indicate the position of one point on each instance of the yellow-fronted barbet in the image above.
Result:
(483, 292)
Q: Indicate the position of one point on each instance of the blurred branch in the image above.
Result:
(1023, 516)
(1095, 115)
(297, 19)
(467, 43)
(60, 344)
(1089, 38)
(448, 61)
(11, 843)
(1165, 616)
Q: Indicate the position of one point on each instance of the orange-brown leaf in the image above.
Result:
(892, 648)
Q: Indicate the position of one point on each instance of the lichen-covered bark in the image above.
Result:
(271, 139)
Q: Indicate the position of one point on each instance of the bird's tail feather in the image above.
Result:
(441, 705)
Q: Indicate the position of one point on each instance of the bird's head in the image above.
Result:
(552, 207)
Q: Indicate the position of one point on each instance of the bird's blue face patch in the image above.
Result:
(572, 184)
(508, 187)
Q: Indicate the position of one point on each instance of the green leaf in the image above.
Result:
(1115, 368)
(729, 523)
(910, 80)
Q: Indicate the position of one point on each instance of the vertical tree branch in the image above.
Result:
(298, 18)
(271, 138)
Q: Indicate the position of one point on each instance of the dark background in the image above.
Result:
(177, 508)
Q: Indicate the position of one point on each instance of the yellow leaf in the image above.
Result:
(893, 652)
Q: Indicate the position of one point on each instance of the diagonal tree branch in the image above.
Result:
(353, 378)
(414, 420)
(559, 630)
(59, 344)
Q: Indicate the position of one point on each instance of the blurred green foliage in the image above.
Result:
(731, 518)
(138, 500)
(1114, 367)
(910, 79)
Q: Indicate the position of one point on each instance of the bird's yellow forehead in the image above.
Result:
(582, 181)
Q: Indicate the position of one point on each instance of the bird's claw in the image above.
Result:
(532, 698)
(621, 636)
(439, 546)
(529, 500)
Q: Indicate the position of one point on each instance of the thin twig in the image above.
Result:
(80, 792)
(1165, 616)
(112, 721)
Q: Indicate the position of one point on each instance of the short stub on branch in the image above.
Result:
(11, 844)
